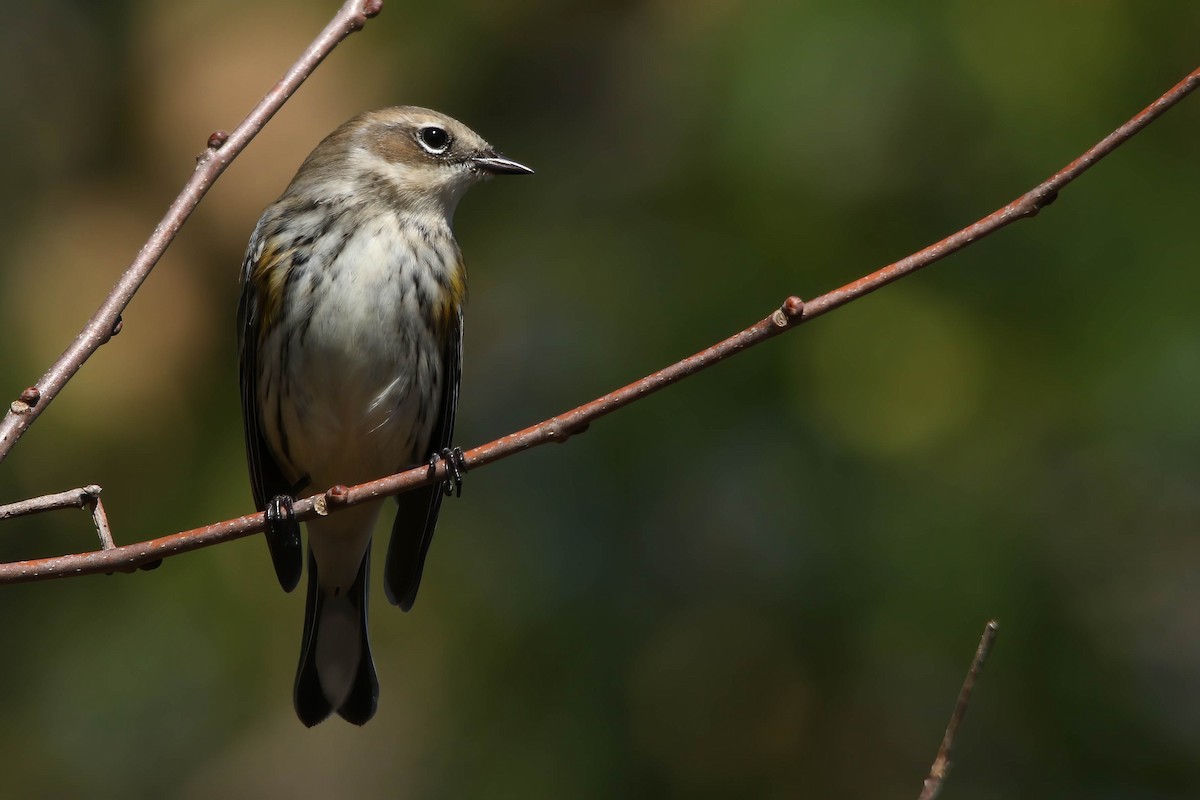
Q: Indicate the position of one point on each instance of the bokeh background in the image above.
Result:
(766, 582)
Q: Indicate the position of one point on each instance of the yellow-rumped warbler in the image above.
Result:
(350, 335)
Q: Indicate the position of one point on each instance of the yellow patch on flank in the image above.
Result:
(268, 276)
(451, 301)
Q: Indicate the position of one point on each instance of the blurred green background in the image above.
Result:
(766, 582)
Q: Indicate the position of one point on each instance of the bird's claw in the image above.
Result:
(282, 526)
(456, 467)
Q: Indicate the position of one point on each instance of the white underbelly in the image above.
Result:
(364, 374)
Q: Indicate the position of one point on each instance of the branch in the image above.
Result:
(222, 149)
(790, 315)
(941, 763)
(72, 498)
(84, 497)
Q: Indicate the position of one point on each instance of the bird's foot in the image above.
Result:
(282, 527)
(456, 467)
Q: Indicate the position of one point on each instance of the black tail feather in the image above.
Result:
(412, 533)
(309, 699)
(359, 706)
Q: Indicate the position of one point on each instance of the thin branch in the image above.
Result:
(84, 497)
(222, 149)
(941, 763)
(100, 519)
(790, 315)
(72, 498)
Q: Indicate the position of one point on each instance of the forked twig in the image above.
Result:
(84, 497)
(72, 498)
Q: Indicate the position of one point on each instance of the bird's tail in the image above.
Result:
(336, 672)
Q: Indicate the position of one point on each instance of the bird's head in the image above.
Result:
(417, 159)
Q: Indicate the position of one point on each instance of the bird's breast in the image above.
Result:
(364, 355)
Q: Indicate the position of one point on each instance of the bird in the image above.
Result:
(350, 333)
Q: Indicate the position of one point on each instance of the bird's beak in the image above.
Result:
(495, 164)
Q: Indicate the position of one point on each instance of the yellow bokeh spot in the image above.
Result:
(895, 375)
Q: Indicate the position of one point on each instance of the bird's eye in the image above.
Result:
(435, 140)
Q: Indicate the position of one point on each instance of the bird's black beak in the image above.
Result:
(495, 164)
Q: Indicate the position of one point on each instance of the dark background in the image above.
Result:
(766, 582)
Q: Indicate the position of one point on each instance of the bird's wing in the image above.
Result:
(417, 516)
(266, 477)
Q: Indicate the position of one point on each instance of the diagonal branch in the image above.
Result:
(790, 315)
(222, 149)
(941, 763)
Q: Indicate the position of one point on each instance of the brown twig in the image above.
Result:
(222, 149)
(84, 497)
(941, 763)
(791, 314)
(100, 519)
(72, 498)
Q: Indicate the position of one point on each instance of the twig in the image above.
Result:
(72, 498)
(101, 521)
(84, 497)
(790, 315)
(941, 763)
(222, 149)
